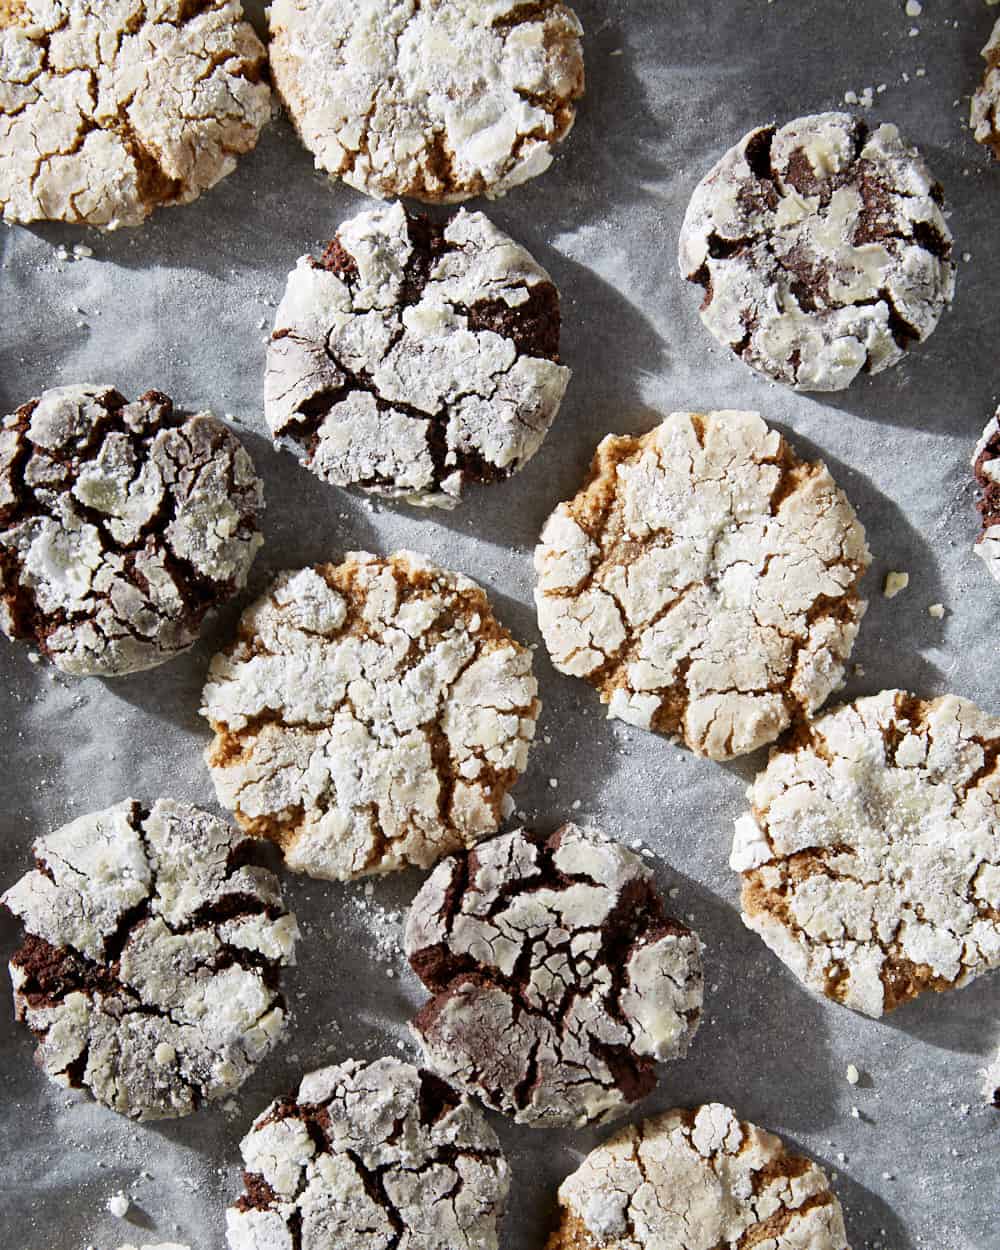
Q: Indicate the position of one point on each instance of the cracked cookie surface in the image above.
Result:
(412, 357)
(558, 979)
(986, 469)
(370, 715)
(110, 109)
(704, 580)
(985, 116)
(368, 1156)
(149, 970)
(440, 100)
(697, 1180)
(871, 853)
(823, 250)
(121, 526)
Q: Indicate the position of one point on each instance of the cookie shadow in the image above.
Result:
(961, 1021)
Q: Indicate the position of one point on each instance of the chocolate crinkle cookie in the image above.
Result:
(697, 1180)
(150, 966)
(823, 250)
(121, 526)
(558, 979)
(109, 110)
(411, 357)
(985, 120)
(986, 468)
(370, 1156)
(871, 852)
(440, 100)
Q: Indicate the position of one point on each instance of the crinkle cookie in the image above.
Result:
(705, 581)
(121, 526)
(369, 1157)
(149, 971)
(111, 109)
(697, 1180)
(871, 853)
(991, 1083)
(412, 358)
(986, 468)
(985, 119)
(558, 979)
(823, 250)
(370, 715)
(436, 99)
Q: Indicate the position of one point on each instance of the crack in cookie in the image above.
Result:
(558, 979)
(370, 1156)
(705, 581)
(433, 99)
(871, 853)
(985, 116)
(412, 357)
(370, 715)
(149, 971)
(822, 248)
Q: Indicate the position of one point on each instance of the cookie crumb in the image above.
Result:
(118, 1205)
(914, 8)
(894, 583)
(852, 1074)
(936, 610)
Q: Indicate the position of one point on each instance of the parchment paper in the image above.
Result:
(183, 305)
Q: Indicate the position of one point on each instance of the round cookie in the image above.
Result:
(991, 1083)
(697, 1180)
(440, 100)
(823, 250)
(108, 111)
(369, 1156)
(986, 468)
(149, 970)
(871, 853)
(704, 580)
(121, 526)
(370, 715)
(558, 979)
(985, 116)
(413, 357)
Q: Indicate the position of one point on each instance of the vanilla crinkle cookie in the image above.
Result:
(149, 971)
(412, 357)
(705, 581)
(369, 1156)
(436, 99)
(985, 120)
(121, 526)
(697, 1180)
(986, 468)
(558, 979)
(871, 852)
(823, 250)
(111, 108)
(370, 715)
(991, 1082)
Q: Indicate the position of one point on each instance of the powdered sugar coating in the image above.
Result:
(109, 110)
(705, 581)
(991, 1082)
(558, 979)
(986, 467)
(149, 970)
(412, 357)
(985, 116)
(697, 1180)
(121, 526)
(871, 853)
(369, 1156)
(370, 715)
(440, 100)
(823, 250)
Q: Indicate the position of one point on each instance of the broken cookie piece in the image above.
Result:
(822, 248)
(871, 853)
(985, 116)
(108, 111)
(439, 101)
(370, 715)
(697, 1180)
(413, 358)
(986, 468)
(150, 967)
(558, 980)
(369, 1156)
(122, 525)
(705, 581)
